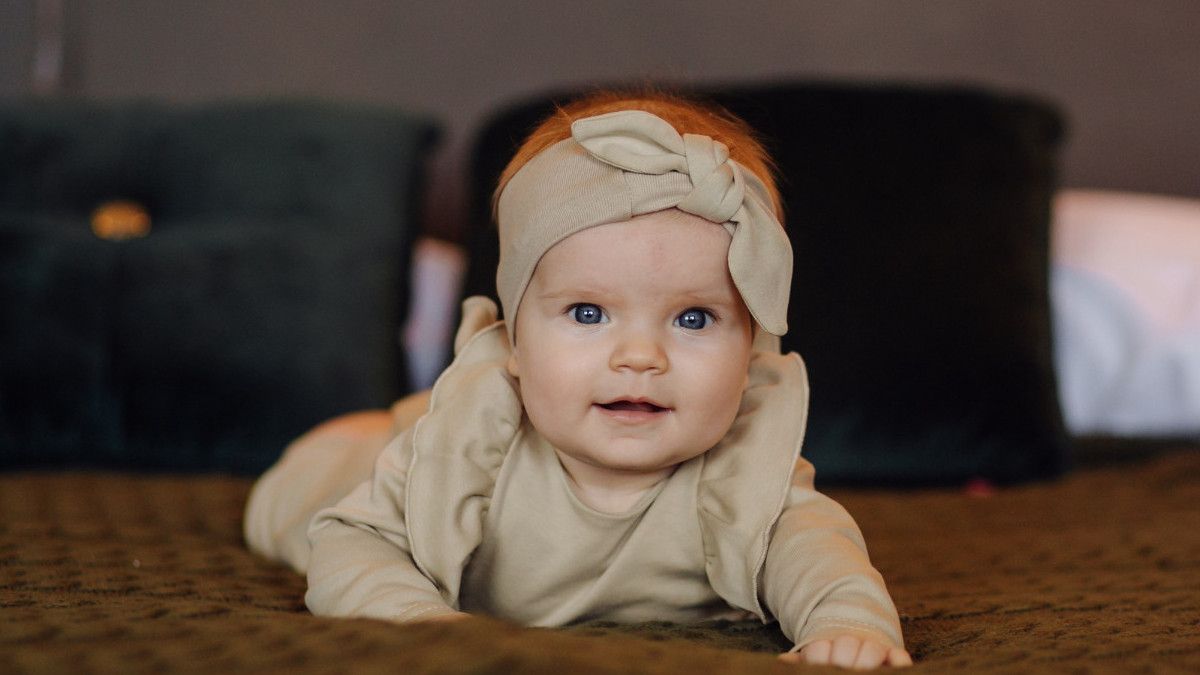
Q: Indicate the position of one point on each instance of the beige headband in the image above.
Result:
(628, 163)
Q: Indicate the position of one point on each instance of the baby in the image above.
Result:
(625, 445)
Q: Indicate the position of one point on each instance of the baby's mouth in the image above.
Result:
(626, 405)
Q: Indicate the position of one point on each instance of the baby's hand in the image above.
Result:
(850, 651)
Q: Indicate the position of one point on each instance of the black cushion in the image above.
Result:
(919, 218)
(266, 297)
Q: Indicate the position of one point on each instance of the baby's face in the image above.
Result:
(633, 344)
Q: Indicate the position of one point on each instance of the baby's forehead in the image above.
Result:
(661, 251)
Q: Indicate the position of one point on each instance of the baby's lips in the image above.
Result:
(634, 404)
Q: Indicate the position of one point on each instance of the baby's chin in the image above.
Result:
(635, 458)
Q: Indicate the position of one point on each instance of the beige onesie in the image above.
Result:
(470, 509)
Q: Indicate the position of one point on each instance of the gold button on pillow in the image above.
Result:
(119, 220)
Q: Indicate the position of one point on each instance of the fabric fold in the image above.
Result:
(458, 447)
(746, 477)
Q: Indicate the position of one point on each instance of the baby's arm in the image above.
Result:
(819, 583)
(361, 563)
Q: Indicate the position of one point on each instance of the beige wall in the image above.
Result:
(1123, 71)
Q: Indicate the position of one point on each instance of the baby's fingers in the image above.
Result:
(849, 651)
(813, 652)
(898, 657)
(846, 651)
(817, 652)
(870, 655)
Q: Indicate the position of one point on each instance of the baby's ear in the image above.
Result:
(512, 366)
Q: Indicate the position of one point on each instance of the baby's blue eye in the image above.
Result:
(587, 314)
(693, 319)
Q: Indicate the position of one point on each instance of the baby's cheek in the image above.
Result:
(546, 388)
(724, 400)
(722, 418)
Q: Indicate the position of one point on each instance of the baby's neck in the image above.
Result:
(606, 490)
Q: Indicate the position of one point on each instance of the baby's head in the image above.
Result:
(640, 253)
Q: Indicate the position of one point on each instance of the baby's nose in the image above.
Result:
(639, 352)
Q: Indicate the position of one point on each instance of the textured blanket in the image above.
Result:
(129, 573)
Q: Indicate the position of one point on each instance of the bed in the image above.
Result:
(151, 370)
(128, 573)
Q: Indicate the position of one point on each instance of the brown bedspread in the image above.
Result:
(126, 573)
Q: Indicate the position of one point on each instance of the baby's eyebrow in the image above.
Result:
(577, 287)
(599, 294)
(588, 291)
(707, 297)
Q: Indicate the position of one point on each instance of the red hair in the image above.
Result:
(688, 116)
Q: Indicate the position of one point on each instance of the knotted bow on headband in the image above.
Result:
(628, 163)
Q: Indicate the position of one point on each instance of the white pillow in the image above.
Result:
(1125, 292)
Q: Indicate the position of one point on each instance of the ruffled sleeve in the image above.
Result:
(775, 546)
(395, 548)
(360, 564)
(458, 447)
(744, 480)
(818, 580)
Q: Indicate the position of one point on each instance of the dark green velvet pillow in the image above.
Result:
(266, 297)
(919, 218)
